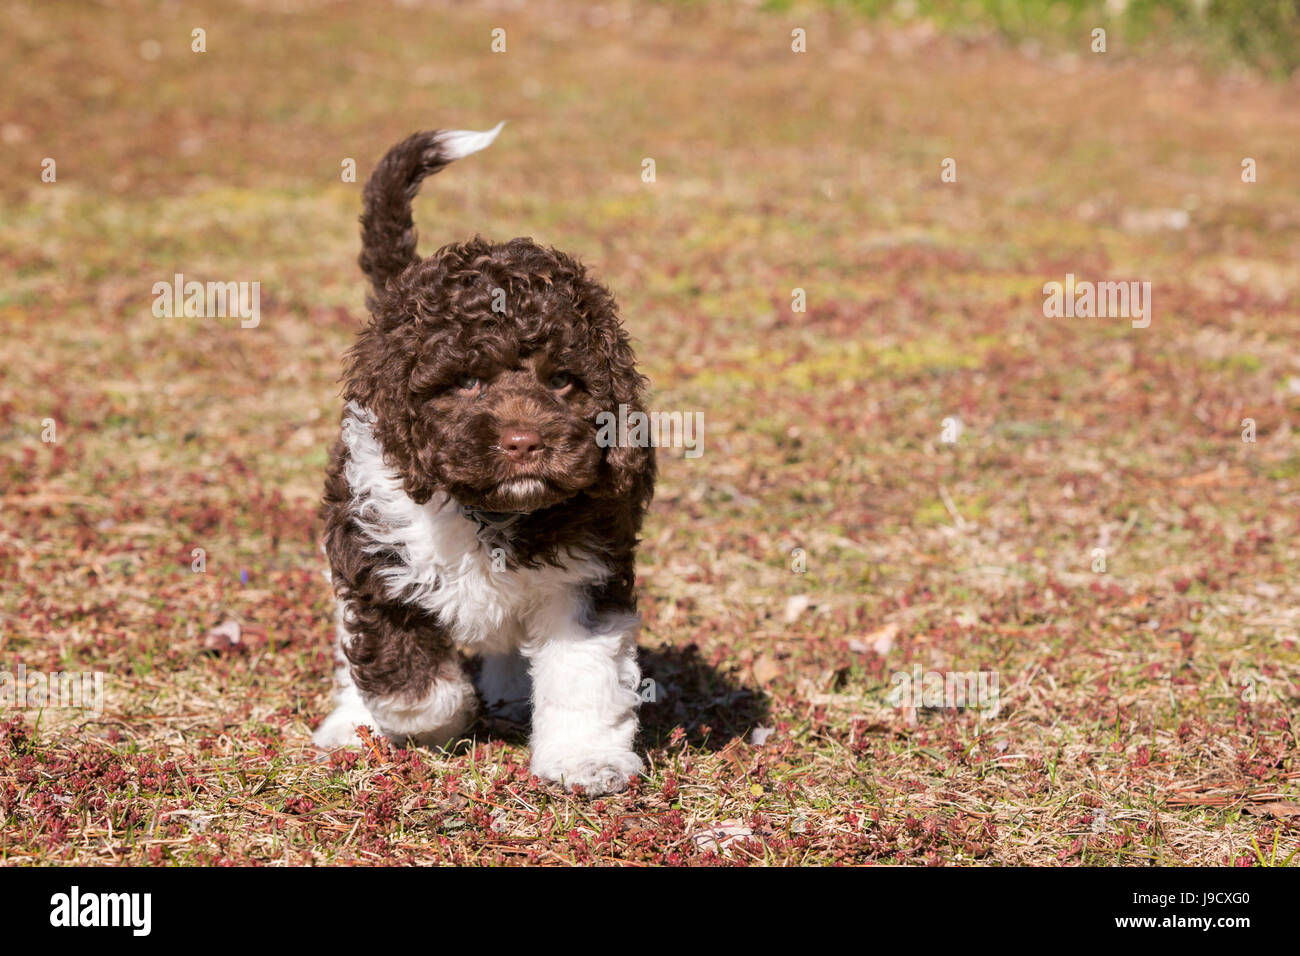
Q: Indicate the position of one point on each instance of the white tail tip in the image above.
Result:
(459, 143)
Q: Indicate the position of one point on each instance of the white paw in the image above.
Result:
(596, 773)
(340, 728)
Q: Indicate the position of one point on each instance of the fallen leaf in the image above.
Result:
(795, 605)
(1277, 808)
(223, 638)
(880, 640)
(718, 839)
(766, 669)
(1215, 477)
(734, 753)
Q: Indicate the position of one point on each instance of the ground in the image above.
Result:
(1099, 535)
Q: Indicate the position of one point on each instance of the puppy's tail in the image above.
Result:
(387, 229)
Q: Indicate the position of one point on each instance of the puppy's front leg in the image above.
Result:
(585, 680)
(404, 675)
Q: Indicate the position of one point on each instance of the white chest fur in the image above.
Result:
(444, 566)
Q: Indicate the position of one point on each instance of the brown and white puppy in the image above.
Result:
(469, 506)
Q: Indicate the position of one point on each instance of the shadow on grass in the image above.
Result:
(678, 690)
(709, 703)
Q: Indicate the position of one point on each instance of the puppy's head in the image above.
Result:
(486, 367)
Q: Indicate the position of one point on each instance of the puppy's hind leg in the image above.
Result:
(339, 729)
(428, 713)
(403, 674)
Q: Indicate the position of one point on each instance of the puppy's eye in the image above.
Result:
(560, 380)
(467, 383)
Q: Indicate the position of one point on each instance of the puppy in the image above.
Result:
(469, 506)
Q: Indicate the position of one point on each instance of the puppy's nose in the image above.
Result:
(520, 444)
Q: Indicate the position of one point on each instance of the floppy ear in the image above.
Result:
(631, 473)
(380, 372)
(628, 470)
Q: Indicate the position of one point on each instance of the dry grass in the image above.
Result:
(1146, 714)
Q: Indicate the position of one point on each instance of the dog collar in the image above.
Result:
(491, 524)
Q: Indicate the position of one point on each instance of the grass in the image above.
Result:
(1262, 33)
(827, 540)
